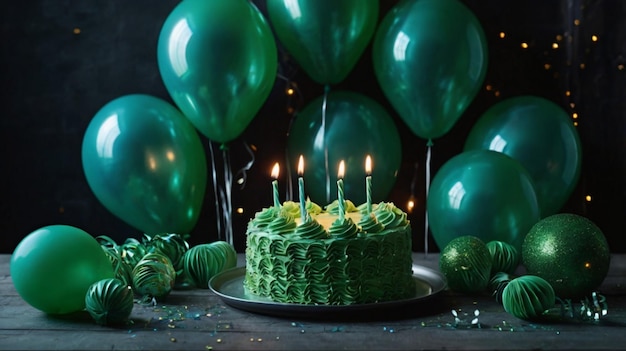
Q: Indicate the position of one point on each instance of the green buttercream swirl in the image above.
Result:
(312, 208)
(291, 209)
(333, 207)
(282, 225)
(262, 219)
(390, 216)
(369, 224)
(311, 230)
(345, 229)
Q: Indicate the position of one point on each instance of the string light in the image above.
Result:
(524, 45)
(555, 45)
(76, 31)
(594, 38)
(502, 35)
(240, 210)
(588, 198)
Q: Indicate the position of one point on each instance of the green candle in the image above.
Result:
(275, 185)
(301, 190)
(368, 183)
(340, 197)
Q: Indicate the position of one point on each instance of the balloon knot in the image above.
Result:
(326, 88)
(429, 143)
(223, 147)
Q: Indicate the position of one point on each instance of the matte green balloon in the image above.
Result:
(570, 252)
(53, 267)
(541, 136)
(430, 59)
(218, 60)
(146, 164)
(355, 126)
(483, 193)
(326, 37)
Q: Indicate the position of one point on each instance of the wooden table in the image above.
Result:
(200, 320)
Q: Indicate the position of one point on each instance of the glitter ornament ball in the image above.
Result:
(466, 263)
(569, 251)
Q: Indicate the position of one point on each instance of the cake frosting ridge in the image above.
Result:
(360, 258)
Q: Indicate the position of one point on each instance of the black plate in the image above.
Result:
(229, 286)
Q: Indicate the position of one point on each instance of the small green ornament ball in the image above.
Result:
(528, 297)
(569, 251)
(466, 263)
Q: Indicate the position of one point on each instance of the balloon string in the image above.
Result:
(242, 171)
(326, 166)
(226, 197)
(218, 221)
(428, 152)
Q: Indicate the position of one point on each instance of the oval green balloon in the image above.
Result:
(355, 126)
(218, 60)
(326, 37)
(53, 267)
(541, 136)
(146, 164)
(482, 193)
(430, 59)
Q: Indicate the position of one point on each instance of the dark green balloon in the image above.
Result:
(218, 60)
(430, 59)
(528, 297)
(570, 252)
(326, 37)
(356, 126)
(483, 193)
(466, 264)
(146, 164)
(541, 136)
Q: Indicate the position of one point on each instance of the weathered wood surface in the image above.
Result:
(199, 320)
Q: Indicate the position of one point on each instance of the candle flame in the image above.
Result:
(368, 165)
(342, 170)
(301, 166)
(275, 170)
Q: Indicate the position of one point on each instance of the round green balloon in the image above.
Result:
(354, 126)
(325, 37)
(146, 164)
(53, 267)
(430, 59)
(483, 193)
(218, 60)
(466, 264)
(541, 136)
(569, 251)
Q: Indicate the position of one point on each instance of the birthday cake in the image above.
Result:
(329, 260)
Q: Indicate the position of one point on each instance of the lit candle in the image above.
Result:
(340, 200)
(368, 183)
(301, 190)
(275, 184)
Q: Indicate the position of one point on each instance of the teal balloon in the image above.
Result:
(218, 61)
(53, 267)
(482, 193)
(146, 164)
(354, 126)
(541, 136)
(325, 37)
(430, 59)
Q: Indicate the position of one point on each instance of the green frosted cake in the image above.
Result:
(364, 258)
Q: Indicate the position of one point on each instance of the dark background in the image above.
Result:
(62, 60)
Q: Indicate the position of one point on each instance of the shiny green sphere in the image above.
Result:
(466, 264)
(569, 251)
(528, 297)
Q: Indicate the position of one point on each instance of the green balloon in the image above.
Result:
(430, 59)
(146, 164)
(355, 126)
(541, 136)
(570, 252)
(53, 267)
(325, 37)
(218, 61)
(482, 193)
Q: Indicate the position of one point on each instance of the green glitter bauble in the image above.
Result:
(569, 251)
(109, 301)
(202, 262)
(154, 276)
(528, 297)
(466, 263)
(505, 257)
